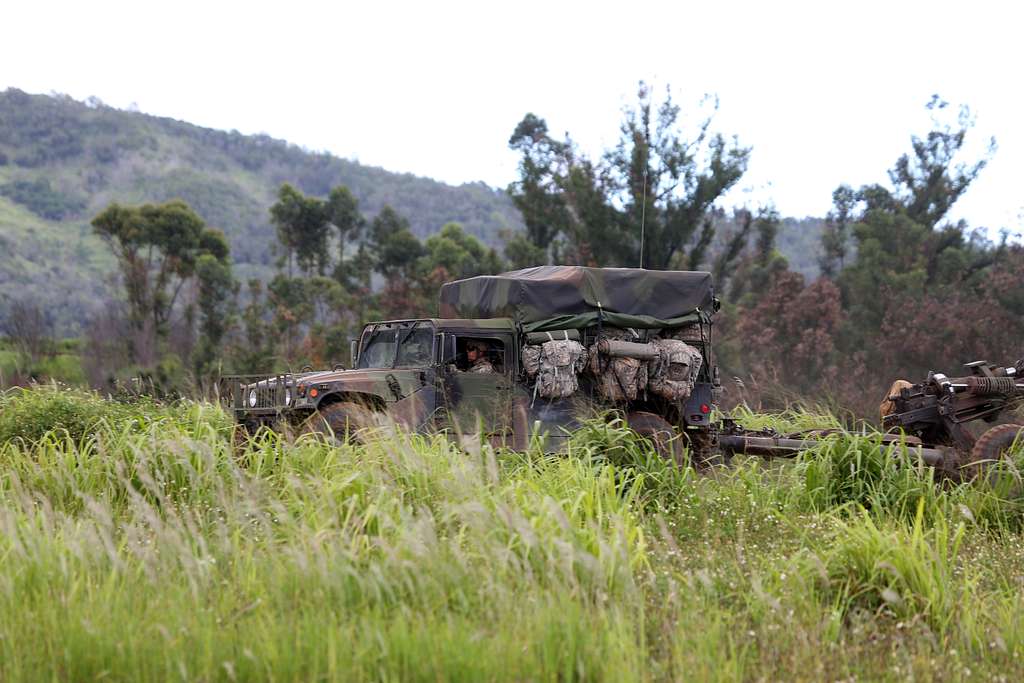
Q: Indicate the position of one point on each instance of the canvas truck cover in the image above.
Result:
(573, 297)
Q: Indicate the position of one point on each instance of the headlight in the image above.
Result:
(252, 398)
(287, 397)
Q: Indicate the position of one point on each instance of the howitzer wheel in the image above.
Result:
(990, 448)
(340, 422)
(656, 429)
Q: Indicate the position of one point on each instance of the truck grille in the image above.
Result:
(257, 393)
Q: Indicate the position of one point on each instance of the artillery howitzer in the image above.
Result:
(938, 410)
(929, 418)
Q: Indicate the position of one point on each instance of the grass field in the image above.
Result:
(136, 544)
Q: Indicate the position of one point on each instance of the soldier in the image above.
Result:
(476, 352)
(888, 405)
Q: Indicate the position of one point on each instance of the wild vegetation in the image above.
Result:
(138, 543)
(143, 539)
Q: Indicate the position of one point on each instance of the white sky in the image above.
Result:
(825, 92)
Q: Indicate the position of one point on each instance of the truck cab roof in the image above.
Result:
(503, 324)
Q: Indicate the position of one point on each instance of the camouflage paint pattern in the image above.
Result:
(570, 297)
(407, 395)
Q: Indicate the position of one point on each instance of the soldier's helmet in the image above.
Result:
(477, 345)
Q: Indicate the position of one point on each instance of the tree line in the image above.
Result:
(185, 317)
(902, 287)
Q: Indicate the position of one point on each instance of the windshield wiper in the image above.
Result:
(398, 344)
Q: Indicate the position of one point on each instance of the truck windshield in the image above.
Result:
(409, 345)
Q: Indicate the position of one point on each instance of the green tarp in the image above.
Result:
(572, 297)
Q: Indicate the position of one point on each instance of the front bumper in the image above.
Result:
(260, 396)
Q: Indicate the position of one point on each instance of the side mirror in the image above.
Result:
(353, 351)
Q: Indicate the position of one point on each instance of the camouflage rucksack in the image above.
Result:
(619, 378)
(674, 372)
(554, 366)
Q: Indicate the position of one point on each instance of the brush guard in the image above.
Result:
(257, 395)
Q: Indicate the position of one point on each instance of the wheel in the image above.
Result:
(341, 422)
(703, 448)
(991, 448)
(667, 443)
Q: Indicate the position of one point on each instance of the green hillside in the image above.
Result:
(62, 161)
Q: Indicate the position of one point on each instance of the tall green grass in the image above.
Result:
(139, 543)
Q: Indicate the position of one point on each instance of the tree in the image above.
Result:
(835, 237)
(537, 193)
(216, 292)
(302, 229)
(522, 253)
(395, 249)
(254, 351)
(458, 254)
(904, 248)
(669, 189)
(157, 247)
(931, 181)
(312, 311)
(28, 329)
(734, 246)
(751, 275)
(342, 210)
(792, 331)
(652, 192)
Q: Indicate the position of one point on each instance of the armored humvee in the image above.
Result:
(520, 355)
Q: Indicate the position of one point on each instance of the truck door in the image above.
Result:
(477, 386)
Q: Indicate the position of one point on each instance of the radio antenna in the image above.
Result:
(643, 218)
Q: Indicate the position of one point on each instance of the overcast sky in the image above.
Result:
(824, 92)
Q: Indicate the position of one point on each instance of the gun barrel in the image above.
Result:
(782, 447)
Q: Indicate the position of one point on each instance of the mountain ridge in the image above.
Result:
(62, 161)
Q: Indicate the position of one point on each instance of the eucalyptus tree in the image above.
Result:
(645, 201)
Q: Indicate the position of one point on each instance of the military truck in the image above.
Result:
(520, 355)
(531, 353)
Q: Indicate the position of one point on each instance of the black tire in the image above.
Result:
(663, 436)
(991, 448)
(341, 422)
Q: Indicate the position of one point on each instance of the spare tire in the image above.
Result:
(662, 435)
(991, 448)
(341, 422)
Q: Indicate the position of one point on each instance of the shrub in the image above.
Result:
(29, 414)
(604, 442)
(39, 197)
(859, 471)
